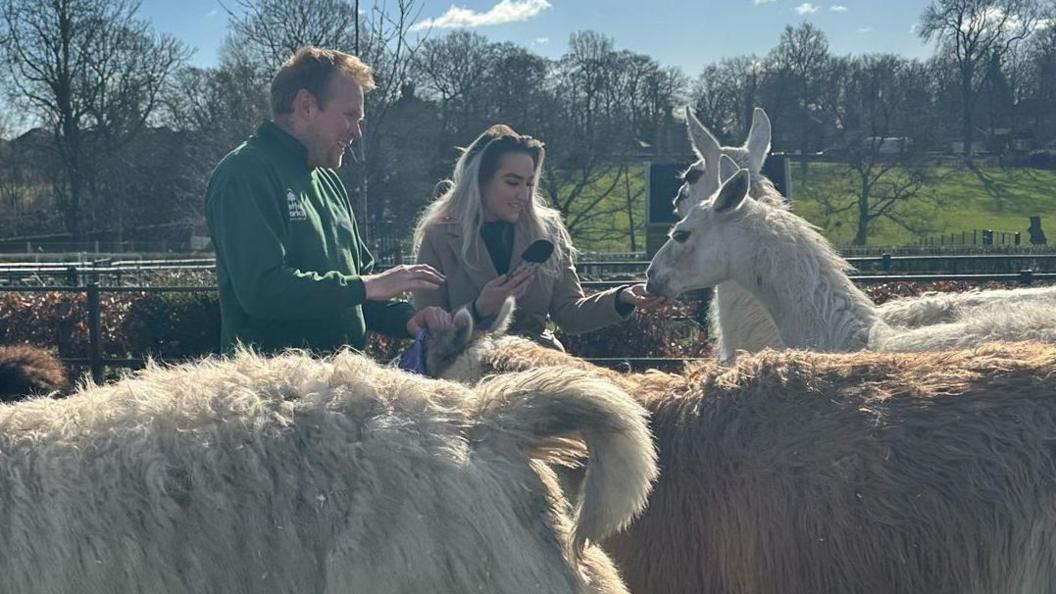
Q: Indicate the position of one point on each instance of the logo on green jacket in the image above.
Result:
(297, 212)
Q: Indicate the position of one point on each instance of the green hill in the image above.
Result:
(958, 200)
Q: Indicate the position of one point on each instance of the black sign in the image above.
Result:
(776, 167)
(665, 179)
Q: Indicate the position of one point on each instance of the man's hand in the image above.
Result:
(400, 279)
(432, 317)
(494, 294)
(637, 296)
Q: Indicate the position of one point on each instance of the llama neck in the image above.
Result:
(741, 321)
(801, 282)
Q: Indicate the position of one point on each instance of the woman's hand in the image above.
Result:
(637, 296)
(494, 294)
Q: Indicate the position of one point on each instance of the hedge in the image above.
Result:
(175, 326)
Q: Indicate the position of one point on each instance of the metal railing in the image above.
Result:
(119, 272)
(95, 359)
(97, 362)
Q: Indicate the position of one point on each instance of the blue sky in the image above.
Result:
(684, 33)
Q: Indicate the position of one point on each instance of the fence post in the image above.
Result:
(703, 299)
(95, 339)
(1026, 277)
(885, 262)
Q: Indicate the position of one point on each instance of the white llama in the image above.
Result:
(797, 276)
(739, 321)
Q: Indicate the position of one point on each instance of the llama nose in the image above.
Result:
(653, 287)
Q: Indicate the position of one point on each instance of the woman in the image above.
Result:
(475, 232)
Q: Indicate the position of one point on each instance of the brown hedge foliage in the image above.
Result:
(173, 326)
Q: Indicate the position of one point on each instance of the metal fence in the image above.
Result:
(975, 238)
(119, 273)
(97, 362)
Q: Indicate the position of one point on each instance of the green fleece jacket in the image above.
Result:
(288, 252)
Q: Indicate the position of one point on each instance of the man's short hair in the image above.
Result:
(311, 69)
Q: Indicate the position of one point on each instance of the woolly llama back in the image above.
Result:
(293, 474)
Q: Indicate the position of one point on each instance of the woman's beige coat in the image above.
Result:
(558, 296)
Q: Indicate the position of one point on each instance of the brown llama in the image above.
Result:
(28, 370)
(796, 473)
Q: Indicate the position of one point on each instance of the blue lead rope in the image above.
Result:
(413, 358)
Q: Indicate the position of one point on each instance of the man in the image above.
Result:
(292, 267)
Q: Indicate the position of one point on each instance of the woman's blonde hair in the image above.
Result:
(462, 201)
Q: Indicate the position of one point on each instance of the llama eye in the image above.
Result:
(680, 236)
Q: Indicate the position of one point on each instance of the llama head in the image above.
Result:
(702, 179)
(454, 352)
(703, 246)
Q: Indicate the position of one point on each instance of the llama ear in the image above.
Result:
(463, 324)
(727, 168)
(758, 143)
(504, 317)
(703, 141)
(733, 192)
(443, 346)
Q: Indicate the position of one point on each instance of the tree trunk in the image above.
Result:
(75, 186)
(967, 106)
(861, 237)
(630, 210)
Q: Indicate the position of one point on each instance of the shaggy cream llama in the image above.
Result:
(799, 279)
(739, 321)
(292, 474)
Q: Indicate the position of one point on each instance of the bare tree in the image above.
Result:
(801, 73)
(516, 82)
(271, 30)
(725, 94)
(976, 33)
(877, 120)
(93, 73)
(1040, 75)
(453, 70)
(608, 106)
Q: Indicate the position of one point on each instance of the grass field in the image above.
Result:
(607, 228)
(957, 200)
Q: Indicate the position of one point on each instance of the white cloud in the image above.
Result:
(838, 8)
(763, 1)
(212, 13)
(506, 11)
(805, 8)
(542, 40)
(996, 17)
(865, 29)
